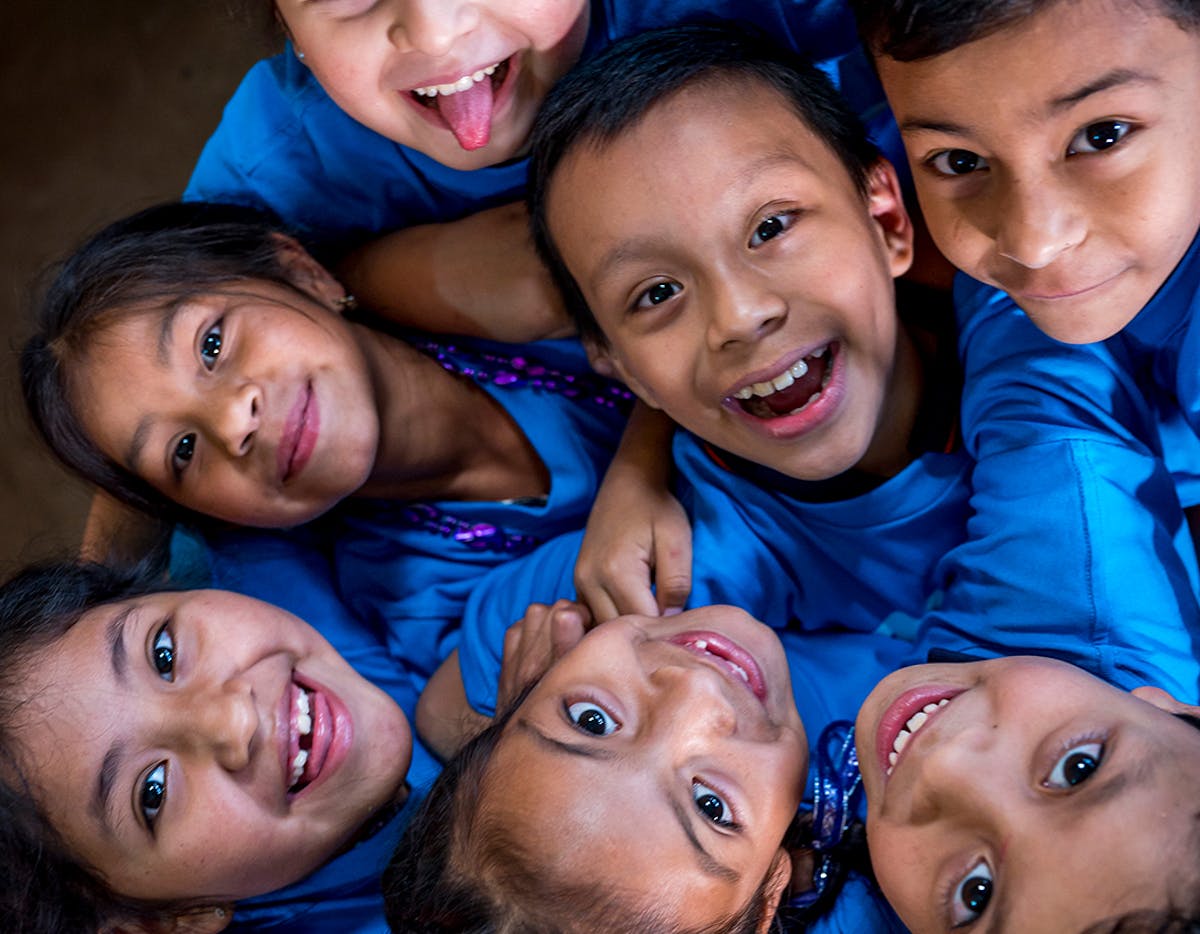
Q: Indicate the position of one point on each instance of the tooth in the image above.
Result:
(783, 380)
(893, 757)
(916, 721)
(943, 702)
(742, 674)
(798, 369)
(701, 644)
(490, 69)
(930, 708)
(298, 766)
(901, 741)
(745, 392)
(478, 76)
(304, 724)
(302, 704)
(763, 389)
(464, 83)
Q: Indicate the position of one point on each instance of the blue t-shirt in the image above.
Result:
(284, 144)
(1077, 545)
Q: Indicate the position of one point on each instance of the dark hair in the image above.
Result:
(907, 30)
(457, 871)
(44, 887)
(608, 94)
(147, 263)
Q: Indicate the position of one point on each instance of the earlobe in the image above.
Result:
(1164, 701)
(307, 274)
(885, 201)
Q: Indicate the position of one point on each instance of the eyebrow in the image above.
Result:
(111, 766)
(162, 354)
(707, 861)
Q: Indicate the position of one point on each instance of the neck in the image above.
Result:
(889, 452)
(441, 436)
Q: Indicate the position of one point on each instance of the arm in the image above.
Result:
(478, 276)
(638, 534)
(115, 532)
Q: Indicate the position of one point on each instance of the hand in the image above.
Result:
(535, 642)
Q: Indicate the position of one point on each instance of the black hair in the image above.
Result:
(610, 93)
(148, 263)
(44, 888)
(908, 30)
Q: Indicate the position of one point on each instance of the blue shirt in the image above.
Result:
(285, 145)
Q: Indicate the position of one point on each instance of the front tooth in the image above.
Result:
(901, 741)
(742, 674)
(478, 76)
(798, 369)
(930, 708)
(304, 724)
(943, 702)
(491, 69)
(701, 644)
(893, 757)
(916, 721)
(783, 380)
(465, 83)
(745, 392)
(763, 389)
(298, 764)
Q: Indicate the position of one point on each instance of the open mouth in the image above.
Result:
(911, 726)
(791, 391)
(907, 715)
(728, 656)
(310, 735)
(466, 104)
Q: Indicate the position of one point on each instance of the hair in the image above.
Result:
(609, 94)
(908, 30)
(148, 263)
(44, 888)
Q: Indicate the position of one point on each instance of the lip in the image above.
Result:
(1059, 293)
(898, 713)
(300, 433)
(500, 96)
(726, 656)
(812, 416)
(332, 734)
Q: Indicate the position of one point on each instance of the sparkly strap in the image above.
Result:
(479, 536)
(519, 370)
(835, 801)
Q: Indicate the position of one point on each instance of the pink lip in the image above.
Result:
(815, 414)
(899, 712)
(331, 739)
(727, 656)
(500, 96)
(1059, 293)
(300, 434)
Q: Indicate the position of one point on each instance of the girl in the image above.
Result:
(256, 401)
(168, 756)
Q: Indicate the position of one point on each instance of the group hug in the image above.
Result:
(612, 466)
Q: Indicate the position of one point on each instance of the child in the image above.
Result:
(1077, 194)
(177, 757)
(728, 246)
(1030, 797)
(646, 782)
(261, 404)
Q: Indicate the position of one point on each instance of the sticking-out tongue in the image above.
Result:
(469, 114)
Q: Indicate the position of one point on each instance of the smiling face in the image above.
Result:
(1026, 795)
(665, 755)
(459, 81)
(251, 404)
(1072, 184)
(742, 281)
(164, 736)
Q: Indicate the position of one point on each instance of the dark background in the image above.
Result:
(104, 108)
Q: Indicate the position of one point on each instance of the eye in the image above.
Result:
(153, 793)
(162, 653)
(771, 227)
(185, 449)
(971, 896)
(1076, 765)
(957, 162)
(592, 718)
(1097, 137)
(210, 345)
(657, 294)
(711, 805)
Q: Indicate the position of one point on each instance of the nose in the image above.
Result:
(432, 27)
(1037, 222)
(745, 309)
(692, 702)
(217, 719)
(961, 776)
(236, 418)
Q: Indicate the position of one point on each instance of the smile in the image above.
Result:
(907, 715)
(914, 723)
(300, 434)
(464, 105)
(465, 83)
(311, 733)
(790, 391)
(734, 661)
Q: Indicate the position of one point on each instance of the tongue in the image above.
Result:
(469, 114)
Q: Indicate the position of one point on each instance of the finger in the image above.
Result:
(566, 629)
(598, 601)
(673, 570)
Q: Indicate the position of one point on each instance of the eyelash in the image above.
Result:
(145, 786)
(159, 653)
(641, 301)
(584, 705)
(1075, 743)
(216, 334)
(954, 886)
(1124, 129)
(728, 823)
(787, 217)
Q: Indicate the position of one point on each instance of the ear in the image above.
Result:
(779, 877)
(607, 363)
(307, 274)
(885, 203)
(196, 921)
(1164, 701)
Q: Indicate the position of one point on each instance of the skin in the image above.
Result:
(201, 402)
(678, 727)
(1080, 229)
(227, 828)
(980, 791)
(369, 54)
(756, 266)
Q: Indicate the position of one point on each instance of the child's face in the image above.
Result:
(662, 757)
(252, 404)
(1038, 798)
(161, 736)
(1072, 183)
(725, 251)
(372, 56)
